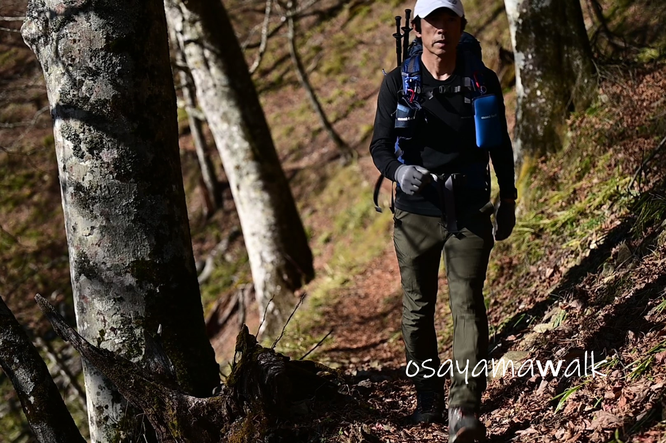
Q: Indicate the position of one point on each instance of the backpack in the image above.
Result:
(413, 99)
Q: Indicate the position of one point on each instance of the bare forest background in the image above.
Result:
(585, 269)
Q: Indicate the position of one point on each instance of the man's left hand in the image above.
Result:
(505, 219)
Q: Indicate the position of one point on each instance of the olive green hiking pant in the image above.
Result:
(419, 241)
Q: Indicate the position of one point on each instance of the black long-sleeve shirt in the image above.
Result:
(441, 146)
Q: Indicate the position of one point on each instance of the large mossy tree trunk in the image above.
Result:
(113, 105)
(280, 258)
(555, 73)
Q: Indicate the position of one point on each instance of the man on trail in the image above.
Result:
(443, 204)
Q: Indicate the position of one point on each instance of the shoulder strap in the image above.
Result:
(474, 68)
(469, 43)
(411, 78)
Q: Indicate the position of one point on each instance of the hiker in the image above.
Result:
(442, 203)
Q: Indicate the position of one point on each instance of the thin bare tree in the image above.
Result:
(278, 250)
(345, 151)
(212, 188)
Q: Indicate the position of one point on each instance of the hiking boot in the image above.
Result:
(464, 426)
(429, 407)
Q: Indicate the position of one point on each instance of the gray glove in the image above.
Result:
(505, 219)
(412, 178)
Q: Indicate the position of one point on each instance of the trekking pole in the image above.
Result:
(406, 29)
(398, 39)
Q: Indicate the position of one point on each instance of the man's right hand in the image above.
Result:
(412, 178)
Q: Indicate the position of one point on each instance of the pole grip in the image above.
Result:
(398, 40)
(405, 33)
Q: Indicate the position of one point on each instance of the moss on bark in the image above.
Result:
(555, 72)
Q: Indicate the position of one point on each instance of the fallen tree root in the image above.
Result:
(263, 386)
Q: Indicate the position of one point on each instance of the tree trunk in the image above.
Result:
(554, 71)
(132, 269)
(345, 151)
(68, 378)
(280, 258)
(44, 409)
(211, 184)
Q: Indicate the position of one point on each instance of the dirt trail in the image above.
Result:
(608, 301)
(367, 337)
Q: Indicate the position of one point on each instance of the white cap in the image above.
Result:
(423, 8)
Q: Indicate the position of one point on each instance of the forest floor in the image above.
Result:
(584, 271)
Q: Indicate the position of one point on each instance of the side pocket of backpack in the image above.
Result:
(487, 121)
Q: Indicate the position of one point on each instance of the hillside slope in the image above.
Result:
(584, 271)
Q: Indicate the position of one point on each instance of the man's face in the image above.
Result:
(440, 32)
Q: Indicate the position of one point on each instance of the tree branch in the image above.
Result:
(647, 160)
(44, 409)
(598, 12)
(209, 263)
(61, 366)
(317, 345)
(247, 45)
(264, 37)
(284, 328)
(345, 151)
(28, 124)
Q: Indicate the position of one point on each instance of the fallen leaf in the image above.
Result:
(571, 406)
(605, 420)
(575, 437)
(660, 357)
(542, 387)
(527, 431)
(657, 386)
(576, 304)
(608, 395)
